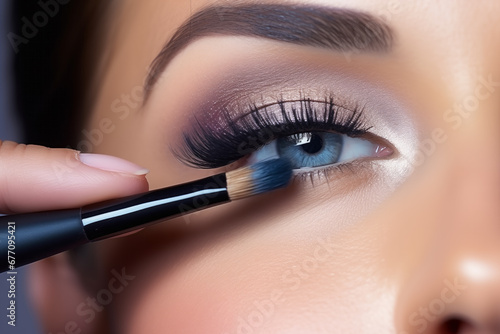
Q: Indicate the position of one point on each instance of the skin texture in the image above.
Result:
(408, 244)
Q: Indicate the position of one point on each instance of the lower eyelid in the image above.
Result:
(336, 173)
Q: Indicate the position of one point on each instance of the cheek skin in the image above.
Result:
(281, 287)
(269, 276)
(289, 260)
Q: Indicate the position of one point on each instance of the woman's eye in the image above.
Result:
(317, 149)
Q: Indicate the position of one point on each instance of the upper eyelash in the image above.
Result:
(207, 148)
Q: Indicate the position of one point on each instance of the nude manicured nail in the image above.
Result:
(112, 164)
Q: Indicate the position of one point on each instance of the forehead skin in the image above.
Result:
(422, 250)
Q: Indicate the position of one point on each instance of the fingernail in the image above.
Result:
(111, 164)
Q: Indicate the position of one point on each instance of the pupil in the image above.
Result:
(314, 146)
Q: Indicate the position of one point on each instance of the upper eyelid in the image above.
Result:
(288, 101)
(354, 113)
(199, 146)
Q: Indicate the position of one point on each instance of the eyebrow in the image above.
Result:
(337, 29)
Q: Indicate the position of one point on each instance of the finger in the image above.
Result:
(36, 178)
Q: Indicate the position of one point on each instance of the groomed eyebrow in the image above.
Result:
(341, 30)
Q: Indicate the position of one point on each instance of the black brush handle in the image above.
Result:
(111, 218)
(31, 237)
(26, 238)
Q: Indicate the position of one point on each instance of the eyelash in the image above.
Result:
(236, 138)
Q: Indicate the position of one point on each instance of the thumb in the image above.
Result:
(37, 178)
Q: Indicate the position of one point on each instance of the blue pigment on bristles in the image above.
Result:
(270, 175)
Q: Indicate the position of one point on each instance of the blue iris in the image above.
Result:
(311, 149)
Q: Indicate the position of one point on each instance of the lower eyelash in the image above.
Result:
(323, 170)
(235, 138)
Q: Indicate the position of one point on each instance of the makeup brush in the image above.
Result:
(30, 237)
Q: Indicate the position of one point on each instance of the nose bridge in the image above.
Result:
(456, 281)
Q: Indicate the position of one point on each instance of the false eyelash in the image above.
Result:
(205, 147)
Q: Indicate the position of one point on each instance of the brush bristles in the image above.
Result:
(240, 183)
(258, 178)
